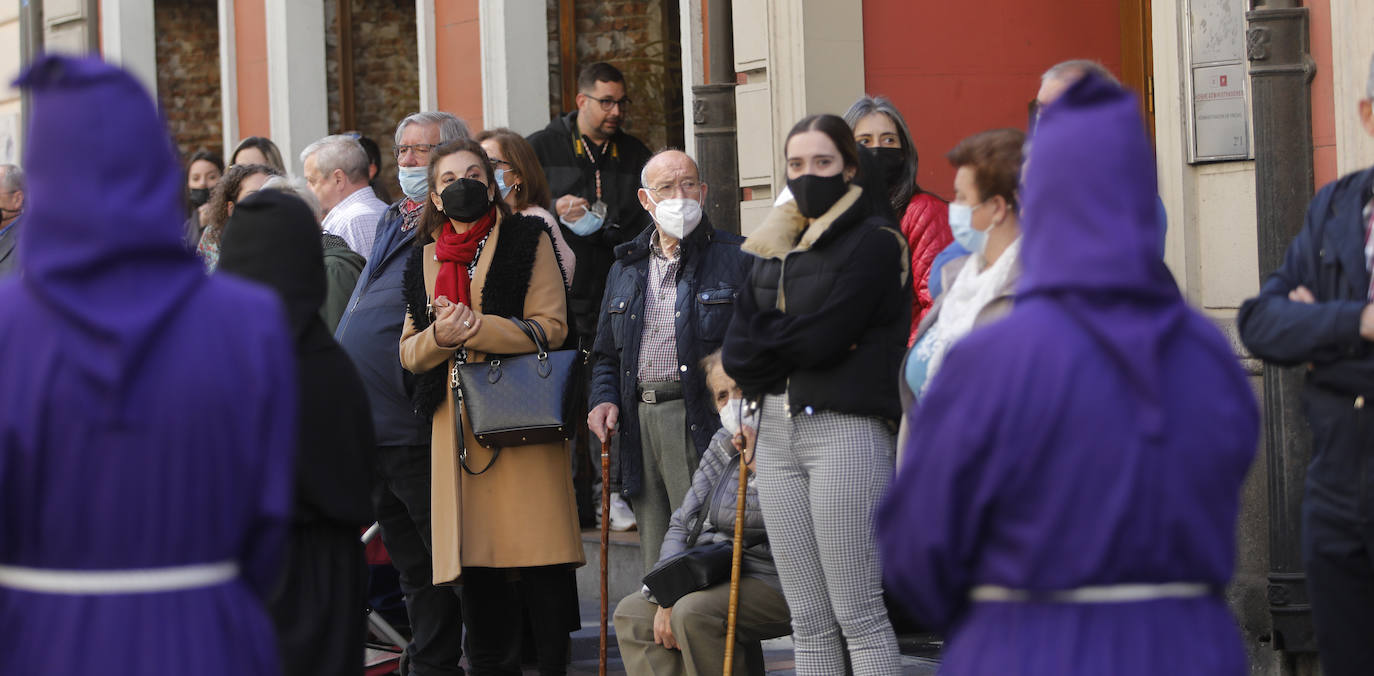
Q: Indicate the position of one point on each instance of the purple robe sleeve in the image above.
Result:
(928, 523)
(275, 418)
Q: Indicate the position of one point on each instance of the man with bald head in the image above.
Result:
(669, 296)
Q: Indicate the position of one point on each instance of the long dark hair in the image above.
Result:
(534, 186)
(867, 174)
(907, 186)
(833, 126)
(433, 219)
(198, 156)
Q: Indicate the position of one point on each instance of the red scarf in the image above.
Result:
(454, 252)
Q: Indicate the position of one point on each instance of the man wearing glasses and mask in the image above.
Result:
(593, 170)
(669, 297)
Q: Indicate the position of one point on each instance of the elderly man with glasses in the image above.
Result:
(370, 331)
(669, 297)
(593, 170)
(11, 205)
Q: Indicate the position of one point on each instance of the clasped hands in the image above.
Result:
(454, 323)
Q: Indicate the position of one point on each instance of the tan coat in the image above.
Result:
(522, 511)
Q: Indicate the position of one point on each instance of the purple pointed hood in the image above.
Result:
(1091, 236)
(102, 243)
(1089, 197)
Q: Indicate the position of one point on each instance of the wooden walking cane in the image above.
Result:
(605, 540)
(736, 564)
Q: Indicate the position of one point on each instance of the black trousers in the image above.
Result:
(317, 606)
(1338, 532)
(401, 501)
(493, 599)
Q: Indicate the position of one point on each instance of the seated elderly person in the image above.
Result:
(688, 637)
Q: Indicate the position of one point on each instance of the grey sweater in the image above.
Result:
(713, 496)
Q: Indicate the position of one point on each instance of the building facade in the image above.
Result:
(295, 70)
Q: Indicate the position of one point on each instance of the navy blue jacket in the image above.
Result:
(713, 270)
(1327, 257)
(370, 331)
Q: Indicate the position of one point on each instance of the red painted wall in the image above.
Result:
(958, 68)
(458, 60)
(1323, 94)
(250, 57)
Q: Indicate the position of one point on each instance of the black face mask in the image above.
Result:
(891, 162)
(465, 200)
(199, 196)
(816, 194)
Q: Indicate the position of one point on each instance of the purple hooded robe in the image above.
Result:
(146, 411)
(1099, 435)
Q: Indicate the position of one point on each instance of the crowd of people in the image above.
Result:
(998, 412)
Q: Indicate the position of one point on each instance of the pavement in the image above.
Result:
(919, 652)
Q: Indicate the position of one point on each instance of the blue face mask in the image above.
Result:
(501, 183)
(414, 182)
(585, 226)
(961, 224)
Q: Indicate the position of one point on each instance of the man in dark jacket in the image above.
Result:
(370, 331)
(668, 300)
(1315, 310)
(593, 170)
(11, 206)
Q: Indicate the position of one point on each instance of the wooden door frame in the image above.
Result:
(1137, 56)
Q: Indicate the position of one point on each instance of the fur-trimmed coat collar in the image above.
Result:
(785, 229)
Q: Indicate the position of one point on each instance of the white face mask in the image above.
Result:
(678, 216)
(733, 417)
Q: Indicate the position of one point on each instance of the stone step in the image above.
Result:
(625, 572)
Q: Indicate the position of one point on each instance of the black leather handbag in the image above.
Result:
(519, 400)
(690, 570)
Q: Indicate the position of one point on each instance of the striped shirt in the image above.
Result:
(355, 219)
(658, 342)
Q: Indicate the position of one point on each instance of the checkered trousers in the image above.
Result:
(820, 477)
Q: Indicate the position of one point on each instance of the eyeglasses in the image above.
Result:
(686, 186)
(498, 163)
(421, 149)
(608, 104)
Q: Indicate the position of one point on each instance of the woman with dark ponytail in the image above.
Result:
(816, 339)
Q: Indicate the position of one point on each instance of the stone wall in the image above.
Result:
(642, 40)
(386, 84)
(188, 72)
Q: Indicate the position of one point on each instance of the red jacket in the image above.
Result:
(926, 227)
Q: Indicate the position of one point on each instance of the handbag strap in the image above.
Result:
(696, 527)
(535, 333)
(458, 435)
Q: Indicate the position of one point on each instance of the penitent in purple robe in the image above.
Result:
(146, 411)
(1099, 435)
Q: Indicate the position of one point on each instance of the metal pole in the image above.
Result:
(713, 117)
(1281, 71)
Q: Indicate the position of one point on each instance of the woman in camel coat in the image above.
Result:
(517, 520)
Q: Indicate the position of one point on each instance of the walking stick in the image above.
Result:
(605, 540)
(735, 565)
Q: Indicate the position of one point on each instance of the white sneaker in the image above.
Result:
(622, 517)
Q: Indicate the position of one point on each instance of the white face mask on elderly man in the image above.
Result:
(678, 216)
